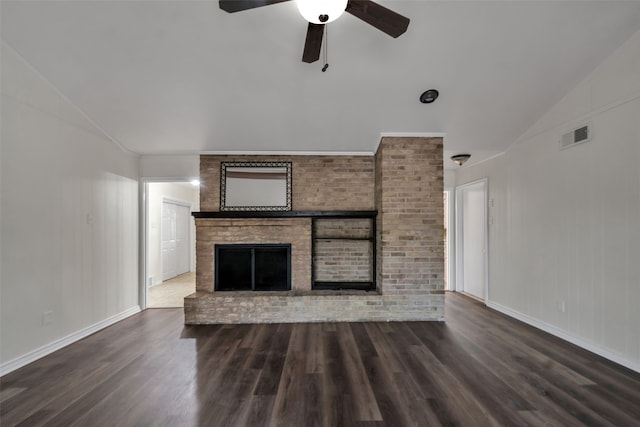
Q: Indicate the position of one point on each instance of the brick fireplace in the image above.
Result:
(403, 182)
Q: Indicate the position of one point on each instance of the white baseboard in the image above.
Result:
(39, 353)
(580, 342)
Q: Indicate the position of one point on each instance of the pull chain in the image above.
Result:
(325, 39)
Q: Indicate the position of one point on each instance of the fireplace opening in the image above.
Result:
(263, 267)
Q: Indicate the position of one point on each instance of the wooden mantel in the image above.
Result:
(285, 214)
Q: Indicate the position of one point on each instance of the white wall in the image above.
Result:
(165, 167)
(449, 178)
(157, 192)
(566, 224)
(69, 221)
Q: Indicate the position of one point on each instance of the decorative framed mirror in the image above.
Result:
(255, 186)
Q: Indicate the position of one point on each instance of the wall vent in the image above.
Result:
(575, 137)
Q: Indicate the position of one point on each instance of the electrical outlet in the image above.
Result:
(47, 318)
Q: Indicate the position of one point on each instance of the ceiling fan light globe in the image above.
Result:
(460, 159)
(313, 10)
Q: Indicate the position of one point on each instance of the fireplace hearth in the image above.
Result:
(253, 267)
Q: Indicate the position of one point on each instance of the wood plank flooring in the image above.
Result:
(479, 368)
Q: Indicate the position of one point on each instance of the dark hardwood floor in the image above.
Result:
(479, 368)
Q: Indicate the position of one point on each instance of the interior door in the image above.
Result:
(168, 240)
(175, 239)
(471, 255)
(182, 239)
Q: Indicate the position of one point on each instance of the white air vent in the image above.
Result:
(575, 137)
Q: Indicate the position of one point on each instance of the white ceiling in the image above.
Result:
(164, 77)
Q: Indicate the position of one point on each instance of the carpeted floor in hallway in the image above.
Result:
(171, 293)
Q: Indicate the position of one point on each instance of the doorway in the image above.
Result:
(471, 241)
(170, 243)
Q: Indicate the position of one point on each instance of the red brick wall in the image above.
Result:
(343, 261)
(409, 187)
(340, 259)
(404, 182)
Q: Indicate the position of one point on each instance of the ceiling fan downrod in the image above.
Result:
(325, 40)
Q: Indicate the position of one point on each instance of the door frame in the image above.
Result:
(450, 266)
(143, 225)
(459, 236)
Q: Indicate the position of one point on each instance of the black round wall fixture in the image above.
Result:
(429, 96)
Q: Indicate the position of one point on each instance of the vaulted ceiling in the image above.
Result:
(164, 77)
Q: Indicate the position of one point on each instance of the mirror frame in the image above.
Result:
(223, 185)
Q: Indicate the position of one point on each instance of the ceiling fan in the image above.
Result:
(321, 12)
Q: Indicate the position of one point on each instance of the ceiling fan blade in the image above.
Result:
(240, 5)
(379, 16)
(313, 43)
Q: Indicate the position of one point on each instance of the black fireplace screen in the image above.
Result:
(264, 267)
